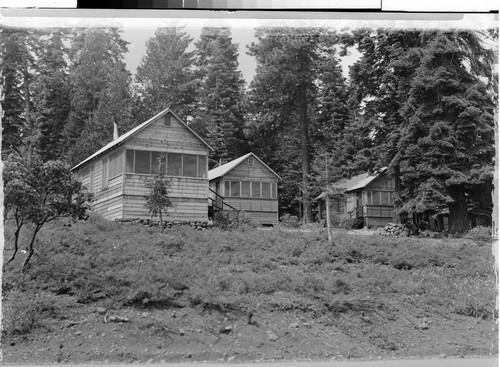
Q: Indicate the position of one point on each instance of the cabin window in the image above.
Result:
(129, 161)
(256, 189)
(202, 166)
(227, 188)
(115, 166)
(235, 188)
(375, 198)
(385, 198)
(266, 190)
(167, 120)
(245, 189)
(91, 181)
(142, 162)
(251, 162)
(274, 190)
(190, 165)
(104, 170)
(174, 164)
(158, 160)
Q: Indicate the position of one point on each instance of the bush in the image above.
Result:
(288, 220)
(25, 311)
(229, 220)
(344, 221)
(481, 235)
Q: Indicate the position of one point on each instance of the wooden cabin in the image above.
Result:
(117, 173)
(366, 196)
(247, 184)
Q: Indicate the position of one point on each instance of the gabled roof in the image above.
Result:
(134, 131)
(355, 183)
(225, 168)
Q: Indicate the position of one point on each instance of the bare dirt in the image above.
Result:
(395, 330)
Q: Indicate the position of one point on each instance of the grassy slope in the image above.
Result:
(118, 265)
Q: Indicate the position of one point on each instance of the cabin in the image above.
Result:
(247, 184)
(117, 173)
(368, 196)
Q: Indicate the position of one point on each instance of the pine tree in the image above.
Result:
(165, 75)
(283, 100)
(51, 91)
(100, 94)
(447, 147)
(218, 114)
(16, 69)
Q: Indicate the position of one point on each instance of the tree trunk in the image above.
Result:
(161, 222)
(31, 250)
(459, 221)
(16, 241)
(306, 168)
(328, 222)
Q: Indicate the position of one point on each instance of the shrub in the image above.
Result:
(25, 311)
(229, 220)
(480, 235)
(288, 220)
(344, 221)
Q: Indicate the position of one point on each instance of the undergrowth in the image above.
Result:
(120, 264)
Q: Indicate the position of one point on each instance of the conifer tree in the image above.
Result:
(218, 114)
(165, 75)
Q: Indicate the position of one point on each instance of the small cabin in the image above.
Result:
(368, 196)
(117, 173)
(247, 184)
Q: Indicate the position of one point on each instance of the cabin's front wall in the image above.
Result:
(251, 187)
(119, 191)
(181, 148)
(378, 202)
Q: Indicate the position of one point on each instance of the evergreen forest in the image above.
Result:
(421, 102)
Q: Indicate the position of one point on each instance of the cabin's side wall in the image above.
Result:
(108, 200)
(245, 188)
(189, 195)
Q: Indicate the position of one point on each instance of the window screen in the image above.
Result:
(375, 198)
(174, 164)
(235, 188)
(266, 189)
(190, 165)
(104, 168)
(245, 189)
(274, 190)
(129, 161)
(256, 189)
(115, 166)
(142, 162)
(227, 188)
(250, 161)
(158, 159)
(385, 198)
(202, 166)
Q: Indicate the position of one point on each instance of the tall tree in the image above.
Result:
(218, 114)
(16, 68)
(165, 75)
(283, 98)
(447, 147)
(50, 98)
(100, 92)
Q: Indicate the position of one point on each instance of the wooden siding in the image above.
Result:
(244, 172)
(181, 187)
(382, 183)
(110, 208)
(249, 204)
(190, 209)
(162, 138)
(189, 198)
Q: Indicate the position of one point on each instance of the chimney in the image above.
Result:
(115, 131)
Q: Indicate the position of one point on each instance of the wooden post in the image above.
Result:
(328, 223)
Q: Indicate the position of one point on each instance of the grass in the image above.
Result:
(120, 264)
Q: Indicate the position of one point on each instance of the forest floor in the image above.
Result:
(246, 296)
